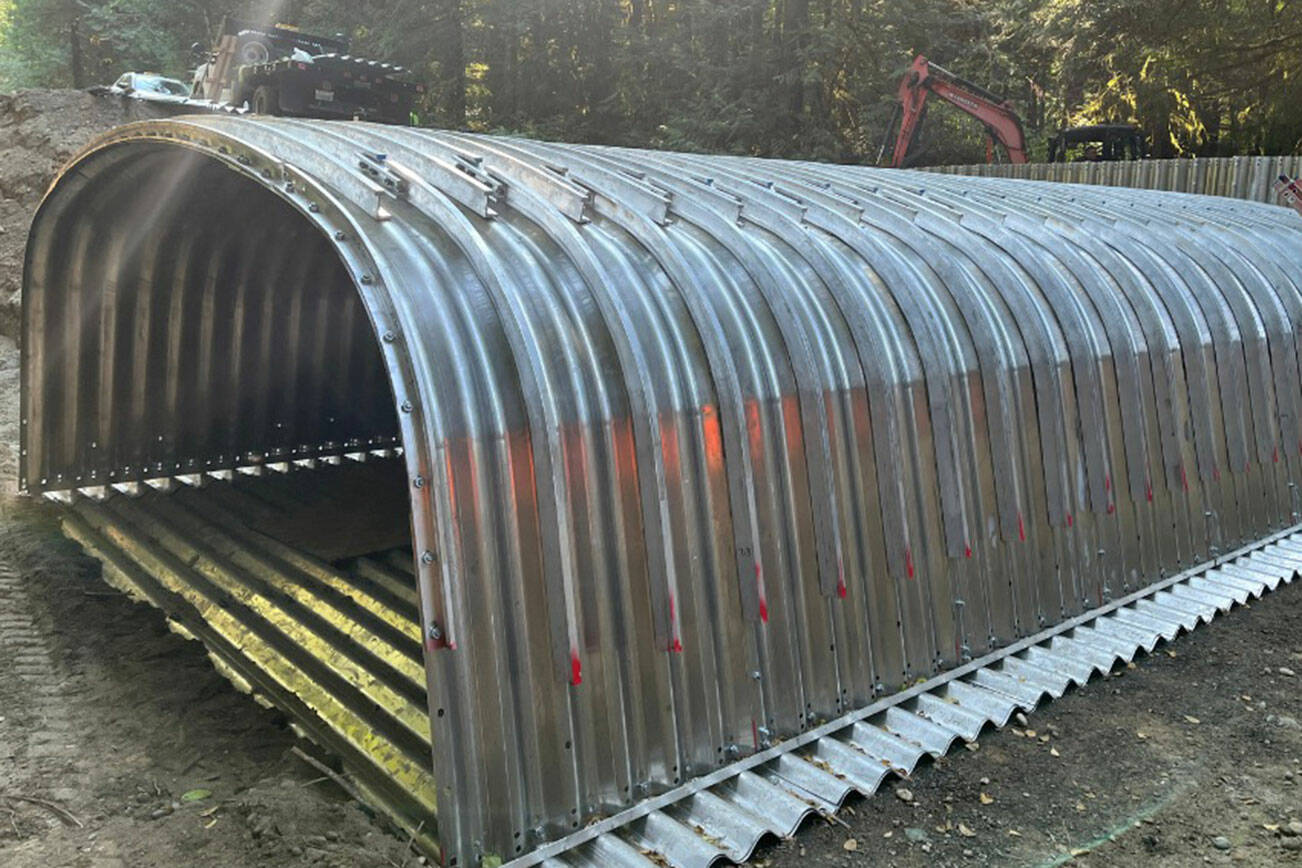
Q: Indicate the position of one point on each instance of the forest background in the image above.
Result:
(812, 79)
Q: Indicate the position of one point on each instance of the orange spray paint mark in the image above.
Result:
(713, 438)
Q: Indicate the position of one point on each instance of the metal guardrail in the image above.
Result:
(1234, 177)
(701, 453)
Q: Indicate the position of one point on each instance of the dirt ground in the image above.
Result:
(121, 745)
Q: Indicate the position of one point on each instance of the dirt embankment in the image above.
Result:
(40, 130)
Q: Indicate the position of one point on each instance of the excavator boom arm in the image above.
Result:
(924, 78)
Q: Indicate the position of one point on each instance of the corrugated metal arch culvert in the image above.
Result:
(701, 452)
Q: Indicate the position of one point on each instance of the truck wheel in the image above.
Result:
(266, 101)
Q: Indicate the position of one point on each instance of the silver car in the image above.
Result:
(151, 87)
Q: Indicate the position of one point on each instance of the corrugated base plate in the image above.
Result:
(338, 647)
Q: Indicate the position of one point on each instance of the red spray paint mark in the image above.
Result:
(967, 551)
(1274, 455)
(1112, 507)
(1107, 482)
(576, 670)
(676, 646)
(764, 610)
(908, 562)
(1216, 474)
(763, 601)
(1021, 528)
(1069, 520)
(1184, 478)
(840, 578)
(1148, 490)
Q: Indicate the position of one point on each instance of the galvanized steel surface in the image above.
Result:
(1236, 177)
(725, 815)
(702, 451)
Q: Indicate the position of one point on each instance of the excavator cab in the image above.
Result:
(1098, 143)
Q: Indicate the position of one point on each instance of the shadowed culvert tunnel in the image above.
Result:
(624, 507)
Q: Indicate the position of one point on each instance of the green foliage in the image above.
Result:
(798, 78)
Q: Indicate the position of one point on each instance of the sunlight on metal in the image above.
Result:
(689, 455)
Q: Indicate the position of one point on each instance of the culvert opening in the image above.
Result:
(203, 388)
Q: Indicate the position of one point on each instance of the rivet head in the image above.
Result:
(367, 279)
(427, 557)
(406, 406)
(435, 631)
(313, 207)
(419, 482)
(341, 236)
(389, 337)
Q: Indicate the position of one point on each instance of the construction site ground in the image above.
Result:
(121, 745)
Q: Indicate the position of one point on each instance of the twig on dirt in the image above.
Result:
(63, 813)
(333, 775)
(411, 839)
(313, 781)
(833, 818)
(13, 821)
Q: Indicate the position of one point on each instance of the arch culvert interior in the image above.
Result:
(194, 347)
(562, 490)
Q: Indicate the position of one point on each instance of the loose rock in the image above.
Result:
(1220, 842)
(904, 795)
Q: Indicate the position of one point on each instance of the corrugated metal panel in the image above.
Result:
(726, 815)
(701, 452)
(1250, 178)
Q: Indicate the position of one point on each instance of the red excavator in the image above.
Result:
(925, 78)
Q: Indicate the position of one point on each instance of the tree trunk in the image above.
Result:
(452, 64)
(795, 35)
(74, 47)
